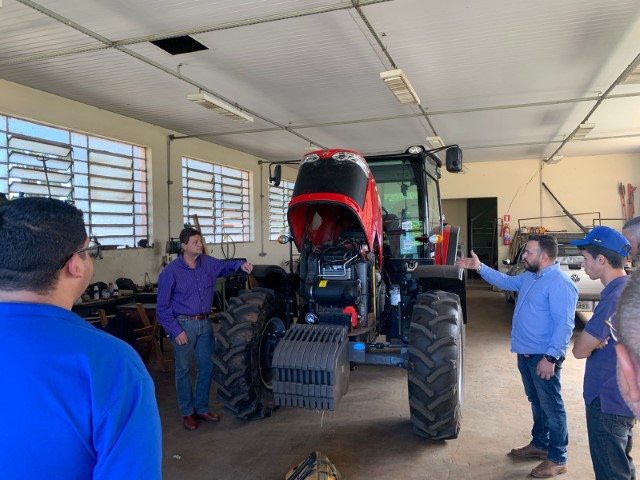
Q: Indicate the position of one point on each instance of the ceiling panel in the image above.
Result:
(503, 79)
(124, 19)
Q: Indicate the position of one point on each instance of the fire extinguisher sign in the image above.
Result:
(506, 217)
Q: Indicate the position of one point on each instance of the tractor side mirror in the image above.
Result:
(277, 176)
(454, 159)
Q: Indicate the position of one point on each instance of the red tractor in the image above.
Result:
(375, 284)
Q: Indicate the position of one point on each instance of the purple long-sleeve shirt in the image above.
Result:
(189, 291)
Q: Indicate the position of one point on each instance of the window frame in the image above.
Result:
(220, 196)
(278, 208)
(124, 221)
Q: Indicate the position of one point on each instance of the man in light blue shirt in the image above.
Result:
(543, 321)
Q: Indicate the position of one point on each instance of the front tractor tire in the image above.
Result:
(248, 334)
(435, 370)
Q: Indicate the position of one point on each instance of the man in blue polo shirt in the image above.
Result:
(609, 419)
(540, 334)
(76, 402)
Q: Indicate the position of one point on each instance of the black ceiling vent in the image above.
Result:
(179, 45)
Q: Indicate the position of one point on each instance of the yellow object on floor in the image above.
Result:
(315, 467)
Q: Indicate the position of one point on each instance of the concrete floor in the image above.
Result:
(370, 436)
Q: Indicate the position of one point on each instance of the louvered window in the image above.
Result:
(279, 198)
(104, 178)
(219, 196)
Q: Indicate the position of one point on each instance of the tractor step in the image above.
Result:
(311, 367)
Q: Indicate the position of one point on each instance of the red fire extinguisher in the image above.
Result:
(506, 234)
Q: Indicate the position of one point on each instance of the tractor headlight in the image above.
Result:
(310, 158)
(354, 158)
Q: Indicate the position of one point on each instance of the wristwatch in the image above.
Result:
(550, 359)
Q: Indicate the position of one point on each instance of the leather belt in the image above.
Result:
(193, 317)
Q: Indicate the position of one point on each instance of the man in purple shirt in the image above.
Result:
(609, 419)
(185, 296)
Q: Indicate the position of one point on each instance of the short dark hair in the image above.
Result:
(627, 319)
(634, 222)
(633, 226)
(36, 236)
(548, 244)
(187, 233)
(615, 259)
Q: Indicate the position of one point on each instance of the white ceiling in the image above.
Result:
(504, 79)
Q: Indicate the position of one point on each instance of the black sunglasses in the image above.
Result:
(93, 249)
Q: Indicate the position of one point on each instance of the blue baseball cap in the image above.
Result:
(606, 237)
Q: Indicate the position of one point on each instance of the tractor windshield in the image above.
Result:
(402, 184)
(400, 205)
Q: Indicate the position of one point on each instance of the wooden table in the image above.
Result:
(109, 305)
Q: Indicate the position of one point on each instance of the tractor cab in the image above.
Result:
(408, 184)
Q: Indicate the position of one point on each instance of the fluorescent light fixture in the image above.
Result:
(218, 106)
(555, 159)
(633, 77)
(399, 85)
(435, 142)
(583, 130)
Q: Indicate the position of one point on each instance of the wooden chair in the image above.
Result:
(101, 319)
(147, 338)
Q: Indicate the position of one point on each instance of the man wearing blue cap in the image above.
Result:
(609, 419)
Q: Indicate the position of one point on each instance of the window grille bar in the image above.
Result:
(107, 182)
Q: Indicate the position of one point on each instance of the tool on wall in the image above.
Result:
(631, 211)
(565, 211)
(623, 202)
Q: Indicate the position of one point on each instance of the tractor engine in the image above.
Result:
(336, 287)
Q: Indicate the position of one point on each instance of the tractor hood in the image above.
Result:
(334, 193)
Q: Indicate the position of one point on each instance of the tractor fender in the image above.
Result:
(275, 278)
(265, 272)
(443, 277)
(438, 271)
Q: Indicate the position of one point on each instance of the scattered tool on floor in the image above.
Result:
(315, 467)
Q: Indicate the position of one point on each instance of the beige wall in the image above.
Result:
(455, 213)
(582, 184)
(19, 101)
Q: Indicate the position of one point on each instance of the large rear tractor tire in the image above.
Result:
(436, 344)
(245, 342)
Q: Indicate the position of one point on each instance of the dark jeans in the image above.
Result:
(549, 430)
(201, 344)
(610, 442)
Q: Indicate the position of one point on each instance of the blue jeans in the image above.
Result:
(610, 442)
(550, 431)
(201, 341)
